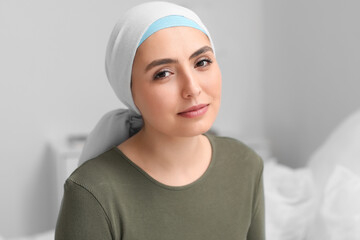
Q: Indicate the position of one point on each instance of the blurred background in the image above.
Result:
(290, 76)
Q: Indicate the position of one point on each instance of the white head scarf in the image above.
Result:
(118, 125)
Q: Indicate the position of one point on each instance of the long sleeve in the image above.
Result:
(257, 227)
(81, 216)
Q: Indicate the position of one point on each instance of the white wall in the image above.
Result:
(311, 72)
(52, 83)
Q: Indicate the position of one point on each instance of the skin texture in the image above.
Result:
(171, 147)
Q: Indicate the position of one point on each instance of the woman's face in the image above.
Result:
(176, 82)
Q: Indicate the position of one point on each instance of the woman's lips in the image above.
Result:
(194, 111)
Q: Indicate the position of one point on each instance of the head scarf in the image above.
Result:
(136, 25)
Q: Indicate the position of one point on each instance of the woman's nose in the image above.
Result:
(190, 86)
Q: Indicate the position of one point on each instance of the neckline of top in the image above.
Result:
(171, 187)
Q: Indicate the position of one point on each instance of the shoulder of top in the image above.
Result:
(231, 143)
(237, 147)
(96, 169)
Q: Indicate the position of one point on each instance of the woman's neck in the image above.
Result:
(172, 160)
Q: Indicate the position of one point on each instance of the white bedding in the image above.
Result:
(322, 200)
(289, 193)
(295, 211)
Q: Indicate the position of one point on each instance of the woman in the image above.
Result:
(167, 180)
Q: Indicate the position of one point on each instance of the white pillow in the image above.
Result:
(342, 147)
(340, 210)
(288, 195)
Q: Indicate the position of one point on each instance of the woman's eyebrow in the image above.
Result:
(201, 51)
(159, 62)
(169, 60)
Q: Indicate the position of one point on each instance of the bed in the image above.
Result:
(321, 200)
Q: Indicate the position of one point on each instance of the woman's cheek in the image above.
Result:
(214, 84)
(160, 99)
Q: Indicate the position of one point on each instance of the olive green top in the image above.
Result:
(110, 197)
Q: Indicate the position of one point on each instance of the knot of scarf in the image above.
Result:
(136, 122)
(113, 128)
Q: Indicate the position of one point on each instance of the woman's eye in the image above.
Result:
(203, 63)
(162, 74)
